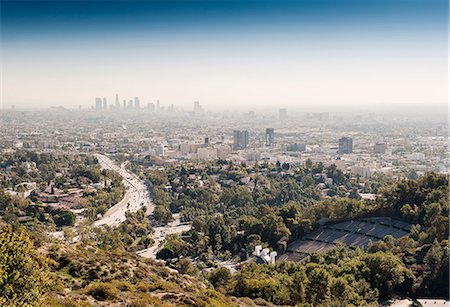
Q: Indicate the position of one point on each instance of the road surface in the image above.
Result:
(160, 233)
(136, 195)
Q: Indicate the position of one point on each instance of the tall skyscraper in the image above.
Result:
(117, 102)
(345, 145)
(130, 105)
(283, 114)
(137, 104)
(98, 103)
(197, 107)
(270, 137)
(151, 107)
(105, 104)
(124, 104)
(240, 139)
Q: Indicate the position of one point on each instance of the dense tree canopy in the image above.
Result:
(23, 278)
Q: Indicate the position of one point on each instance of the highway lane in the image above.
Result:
(136, 195)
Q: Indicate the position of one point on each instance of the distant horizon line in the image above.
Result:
(245, 108)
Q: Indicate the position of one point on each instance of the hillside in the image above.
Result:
(83, 275)
(102, 270)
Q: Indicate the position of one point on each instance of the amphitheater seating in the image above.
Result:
(358, 233)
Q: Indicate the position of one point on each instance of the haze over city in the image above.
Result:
(224, 153)
(255, 54)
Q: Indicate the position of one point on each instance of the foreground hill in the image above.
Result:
(36, 271)
(83, 275)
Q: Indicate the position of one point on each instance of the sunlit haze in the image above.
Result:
(258, 54)
(239, 153)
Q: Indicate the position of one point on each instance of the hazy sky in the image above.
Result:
(225, 53)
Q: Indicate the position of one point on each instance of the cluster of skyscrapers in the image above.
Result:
(241, 141)
(241, 138)
(135, 104)
(101, 104)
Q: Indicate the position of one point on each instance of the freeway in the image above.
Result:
(136, 195)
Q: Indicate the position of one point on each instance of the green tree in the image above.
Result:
(220, 278)
(299, 286)
(22, 278)
(319, 286)
(185, 266)
(387, 273)
(354, 194)
(63, 217)
(433, 259)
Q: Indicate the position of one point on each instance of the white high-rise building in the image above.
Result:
(117, 102)
(137, 104)
(98, 103)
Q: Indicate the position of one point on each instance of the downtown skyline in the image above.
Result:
(264, 54)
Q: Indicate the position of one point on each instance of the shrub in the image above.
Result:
(103, 292)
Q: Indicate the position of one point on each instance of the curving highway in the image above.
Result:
(136, 195)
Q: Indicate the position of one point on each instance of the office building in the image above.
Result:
(117, 102)
(124, 104)
(160, 150)
(130, 105)
(151, 107)
(345, 145)
(197, 107)
(189, 148)
(207, 153)
(379, 148)
(283, 114)
(137, 104)
(240, 139)
(270, 137)
(98, 103)
(296, 147)
(105, 104)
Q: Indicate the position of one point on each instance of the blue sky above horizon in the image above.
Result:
(251, 52)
